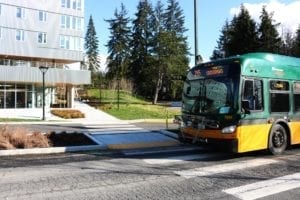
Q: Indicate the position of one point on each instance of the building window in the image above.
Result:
(42, 38)
(79, 5)
(63, 21)
(74, 4)
(68, 22)
(20, 12)
(63, 3)
(20, 35)
(42, 16)
(79, 24)
(68, 3)
(71, 43)
(74, 19)
(0, 33)
(64, 42)
(0, 9)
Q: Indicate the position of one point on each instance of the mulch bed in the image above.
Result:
(69, 139)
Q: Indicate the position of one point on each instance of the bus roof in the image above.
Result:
(263, 65)
(270, 65)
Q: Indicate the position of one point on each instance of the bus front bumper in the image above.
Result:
(227, 142)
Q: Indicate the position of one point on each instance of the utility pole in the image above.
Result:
(197, 56)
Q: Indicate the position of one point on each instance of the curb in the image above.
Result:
(169, 134)
(50, 150)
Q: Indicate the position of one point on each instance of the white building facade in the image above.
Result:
(35, 33)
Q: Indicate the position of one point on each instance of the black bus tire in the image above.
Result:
(278, 139)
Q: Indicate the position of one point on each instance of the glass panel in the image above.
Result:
(10, 99)
(254, 94)
(297, 102)
(279, 85)
(297, 87)
(21, 99)
(1, 98)
(29, 100)
(280, 102)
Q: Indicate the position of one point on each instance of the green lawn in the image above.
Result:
(140, 111)
(131, 107)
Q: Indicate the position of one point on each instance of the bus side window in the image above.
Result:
(253, 94)
(297, 96)
(279, 96)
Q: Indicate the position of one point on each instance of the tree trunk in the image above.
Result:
(158, 87)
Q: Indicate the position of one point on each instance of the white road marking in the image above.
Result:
(265, 188)
(223, 168)
(175, 159)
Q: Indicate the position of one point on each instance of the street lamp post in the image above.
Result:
(197, 56)
(43, 70)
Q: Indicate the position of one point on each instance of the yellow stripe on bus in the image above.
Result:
(253, 137)
(295, 132)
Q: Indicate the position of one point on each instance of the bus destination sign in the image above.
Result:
(213, 71)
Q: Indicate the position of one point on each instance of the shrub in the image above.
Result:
(67, 113)
(12, 138)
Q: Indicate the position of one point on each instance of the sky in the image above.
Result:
(212, 15)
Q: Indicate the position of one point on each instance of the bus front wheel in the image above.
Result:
(277, 139)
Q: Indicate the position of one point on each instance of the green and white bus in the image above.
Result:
(248, 102)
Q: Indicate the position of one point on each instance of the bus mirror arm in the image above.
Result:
(246, 106)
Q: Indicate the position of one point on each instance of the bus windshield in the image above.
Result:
(209, 94)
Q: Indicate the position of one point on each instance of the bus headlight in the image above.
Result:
(229, 129)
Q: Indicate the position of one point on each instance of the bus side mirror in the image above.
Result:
(246, 106)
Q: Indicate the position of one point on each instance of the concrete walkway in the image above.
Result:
(105, 130)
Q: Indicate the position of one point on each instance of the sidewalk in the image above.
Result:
(105, 130)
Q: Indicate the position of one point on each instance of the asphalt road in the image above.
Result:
(178, 172)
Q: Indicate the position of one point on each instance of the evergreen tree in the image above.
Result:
(296, 48)
(118, 45)
(223, 42)
(141, 46)
(91, 46)
(287, 44)
(176, 47)
(269, 40)
(159, 66)
(174, 17)
(243, 35)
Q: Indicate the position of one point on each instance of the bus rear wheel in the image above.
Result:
(278, 139)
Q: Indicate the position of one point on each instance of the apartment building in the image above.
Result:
(35, 34)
